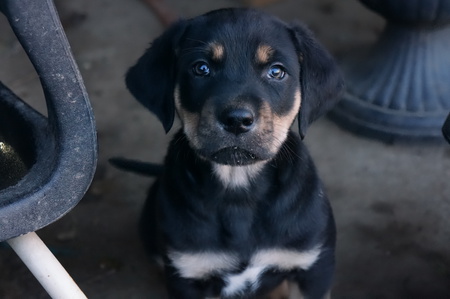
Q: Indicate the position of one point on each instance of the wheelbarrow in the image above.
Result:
(46, 163)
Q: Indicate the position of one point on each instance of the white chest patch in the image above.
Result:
(237, 176)
(204, 264)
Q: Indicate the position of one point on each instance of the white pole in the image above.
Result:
(45, 267)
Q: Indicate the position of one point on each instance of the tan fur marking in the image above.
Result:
(190, 120)
(218, 51)
(286, 120)
(295, 292)
(280, 292)
(263, 54)
(282, 123)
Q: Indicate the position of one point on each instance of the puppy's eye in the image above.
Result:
(276, 72)
(201, 69)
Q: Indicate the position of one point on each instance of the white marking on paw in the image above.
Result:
(237, 284)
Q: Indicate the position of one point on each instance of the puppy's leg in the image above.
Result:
(316, 281)
(280, 292)
(294, 292)
(181, 288)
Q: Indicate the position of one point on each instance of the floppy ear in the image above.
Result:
(320, 79)
(152, 79)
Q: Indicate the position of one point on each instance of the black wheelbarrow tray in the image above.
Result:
(46, 163)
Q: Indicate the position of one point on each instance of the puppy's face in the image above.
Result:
(237, 79)
(237, 88)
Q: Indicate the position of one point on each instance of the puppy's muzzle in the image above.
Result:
(237, 120)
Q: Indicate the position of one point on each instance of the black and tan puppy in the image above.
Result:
(238, 207)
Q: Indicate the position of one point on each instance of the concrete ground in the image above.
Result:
(391, 202)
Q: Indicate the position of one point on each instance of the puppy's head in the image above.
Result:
(237, 78)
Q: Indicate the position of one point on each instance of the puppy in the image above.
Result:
(238, 208)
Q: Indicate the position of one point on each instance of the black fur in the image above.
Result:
(320, 79)
(190, 209)
(151, 81)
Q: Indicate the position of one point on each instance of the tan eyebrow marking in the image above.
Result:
(263, 54)
(217, 50)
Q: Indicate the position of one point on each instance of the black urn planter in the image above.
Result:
(400, 88)
(46, 164)
(446, 129)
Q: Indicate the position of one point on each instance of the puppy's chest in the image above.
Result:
(236, 219)
(244, 250)
(237, 226)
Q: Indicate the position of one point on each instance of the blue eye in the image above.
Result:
(276, 72)
(201, 69)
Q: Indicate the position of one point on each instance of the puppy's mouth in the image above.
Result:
(234, 156)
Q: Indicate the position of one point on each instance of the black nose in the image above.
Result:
(237, 121)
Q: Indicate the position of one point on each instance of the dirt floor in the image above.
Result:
(391, 201)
